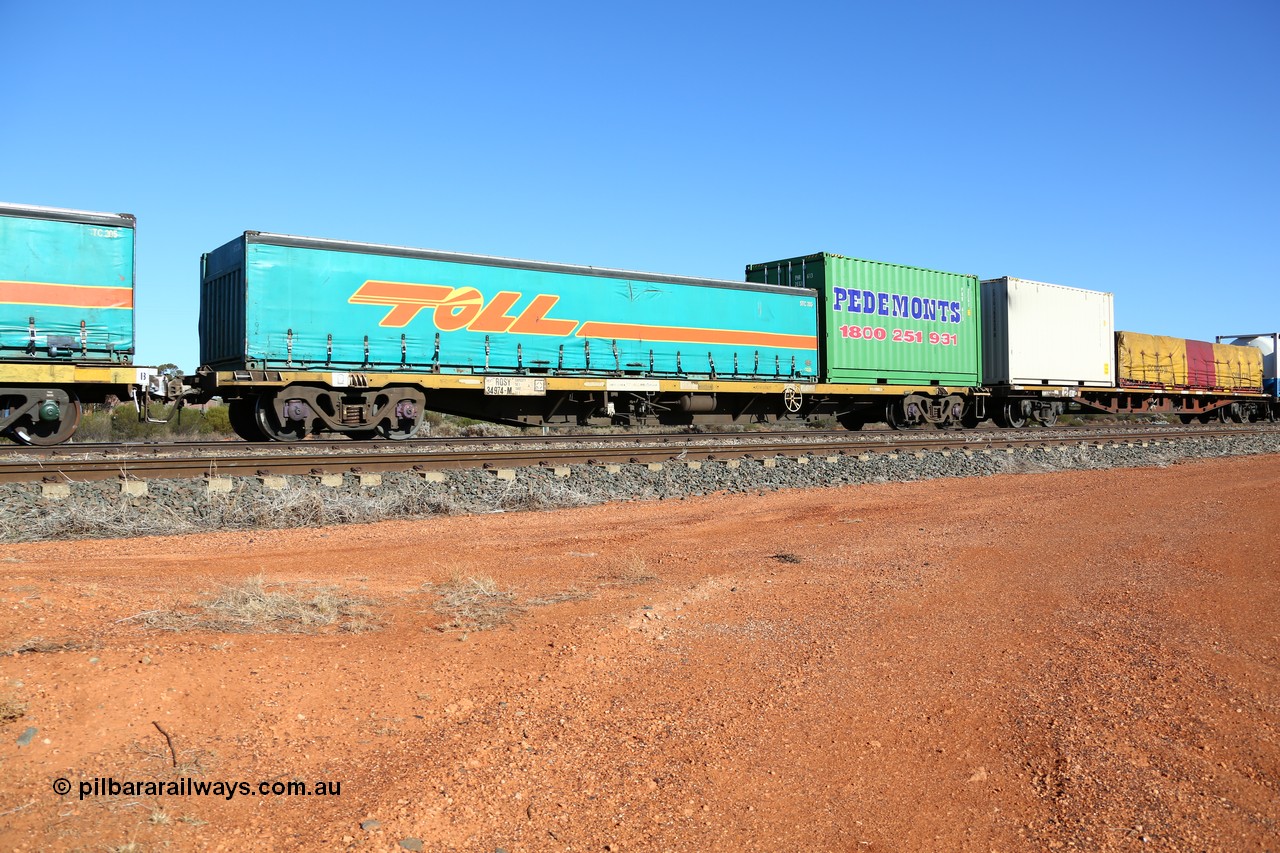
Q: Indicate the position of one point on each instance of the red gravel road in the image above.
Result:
(1083, 660)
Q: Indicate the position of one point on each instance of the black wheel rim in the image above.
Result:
(265, 417)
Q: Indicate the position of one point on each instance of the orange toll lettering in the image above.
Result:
(494, 316)
(458, 309)
(534, 320)
(406, 300)
(454, 309)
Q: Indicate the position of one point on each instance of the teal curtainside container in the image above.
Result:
(888, 324)
(279, 301)
(66, 285)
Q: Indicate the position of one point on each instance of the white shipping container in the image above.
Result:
(1046, 334)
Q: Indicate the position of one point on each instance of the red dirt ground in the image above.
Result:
(1083, 660)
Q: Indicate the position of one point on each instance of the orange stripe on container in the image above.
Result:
(65, 295)
(681, 334)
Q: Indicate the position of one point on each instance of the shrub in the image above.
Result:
(250, 607)
(120, 423)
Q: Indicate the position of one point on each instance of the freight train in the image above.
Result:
(305, 336)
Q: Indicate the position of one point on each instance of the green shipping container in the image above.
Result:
(886, 324)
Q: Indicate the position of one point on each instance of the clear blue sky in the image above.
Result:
(1122, 146)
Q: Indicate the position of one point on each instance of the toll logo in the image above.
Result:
(456, 308)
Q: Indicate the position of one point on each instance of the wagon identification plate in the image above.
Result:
(633, 385)
(515, 386)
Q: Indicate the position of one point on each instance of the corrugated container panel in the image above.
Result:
(222, 304)
(886, 323)
(66, 285)
(1046, 334)
(271, 300)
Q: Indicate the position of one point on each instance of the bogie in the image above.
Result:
(296, 411)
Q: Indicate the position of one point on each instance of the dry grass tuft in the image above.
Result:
(120, 520)
(632, 570)
(474, 603)
(524, 496)
(570, 594)
(250, 607)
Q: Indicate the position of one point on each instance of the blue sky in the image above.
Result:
(1129, 147)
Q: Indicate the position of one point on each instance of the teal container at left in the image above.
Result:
(66, 285)
(277, 301)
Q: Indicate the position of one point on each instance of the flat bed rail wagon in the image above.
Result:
(307, 335)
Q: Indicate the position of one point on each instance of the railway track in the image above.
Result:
(306, 458)
(143, 450)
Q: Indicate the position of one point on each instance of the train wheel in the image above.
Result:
(1186, 419)
(243, 422)
(1014, 417)
(901, 414)
(361, 434)
(895, 417)
(265, 417)
(407, 419)
(1046, 419)
(40, 432)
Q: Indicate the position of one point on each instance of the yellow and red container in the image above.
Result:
(1159, 361)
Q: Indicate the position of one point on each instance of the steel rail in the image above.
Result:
(434, 443)
(64, 470)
